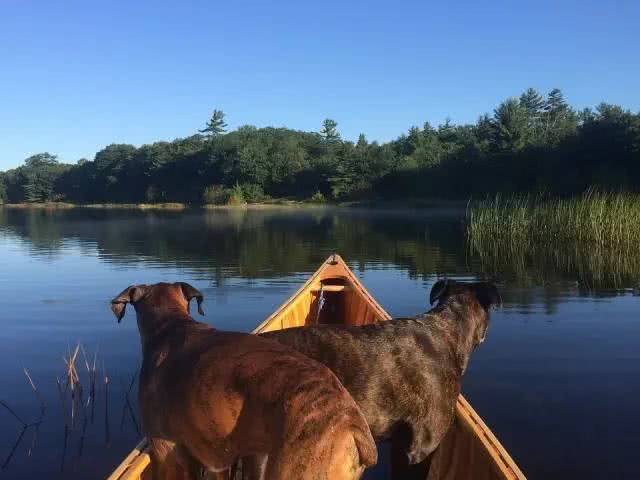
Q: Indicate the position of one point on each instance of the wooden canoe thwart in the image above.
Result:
(333, 294)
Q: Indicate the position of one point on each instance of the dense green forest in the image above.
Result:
(529, 144)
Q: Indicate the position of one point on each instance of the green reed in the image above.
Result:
(594, 237)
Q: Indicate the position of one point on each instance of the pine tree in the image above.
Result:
(328, 130)
(216, 124)
(532, 101)
(510, 125)
(555, 101)
(534, 104)
(558, 119)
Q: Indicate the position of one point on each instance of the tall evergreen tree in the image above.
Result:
(558, 119)
(555, 101)
(484, 129)
(329, 130)
(216, 124)
(534, 105)
(414, 139)
(510, 125)
(532, 101)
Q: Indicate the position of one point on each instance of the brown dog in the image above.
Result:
(208, 397)
(405, 374)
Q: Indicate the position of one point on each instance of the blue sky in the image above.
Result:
(76, 76)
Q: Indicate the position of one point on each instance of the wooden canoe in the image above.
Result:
(469, 451)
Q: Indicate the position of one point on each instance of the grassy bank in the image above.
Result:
(594, 236)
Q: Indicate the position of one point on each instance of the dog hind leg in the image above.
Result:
(334, 458)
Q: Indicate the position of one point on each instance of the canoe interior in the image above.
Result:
(333, 295)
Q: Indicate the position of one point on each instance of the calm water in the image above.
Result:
(558, 379)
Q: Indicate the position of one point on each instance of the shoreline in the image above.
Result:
(294, 204)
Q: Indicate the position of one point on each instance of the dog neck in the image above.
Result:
(467, 318)
(154, 324)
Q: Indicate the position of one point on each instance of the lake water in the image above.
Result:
(558, 379)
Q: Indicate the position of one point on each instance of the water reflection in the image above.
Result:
(593, 269)
(222, 244)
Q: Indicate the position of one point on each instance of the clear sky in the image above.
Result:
(76, 76)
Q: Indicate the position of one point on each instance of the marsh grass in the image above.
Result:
(594, 237)
(78, 395)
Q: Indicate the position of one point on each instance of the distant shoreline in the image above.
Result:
(281, 203)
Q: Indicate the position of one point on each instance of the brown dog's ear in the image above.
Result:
(438, 290)
(488, 295)
(190, 292)
(130, 294)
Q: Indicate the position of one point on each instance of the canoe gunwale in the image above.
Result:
(503, 461)
(134, 464)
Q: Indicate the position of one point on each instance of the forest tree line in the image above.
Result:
(529, 144)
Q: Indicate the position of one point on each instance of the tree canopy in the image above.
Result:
(530, 143)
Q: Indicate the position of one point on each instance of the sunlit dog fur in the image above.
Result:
(209, 397)
(405, 374)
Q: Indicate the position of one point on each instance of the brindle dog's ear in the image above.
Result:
(129, 295)
(488, 295)
(190, 292)
(438, 290)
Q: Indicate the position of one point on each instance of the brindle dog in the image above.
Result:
(405, 374)
(208, 397)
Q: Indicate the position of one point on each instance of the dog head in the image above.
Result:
(485, 293)
(159, 298)
(478, 297)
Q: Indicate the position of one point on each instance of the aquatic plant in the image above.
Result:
(78, 395)
(594, 237)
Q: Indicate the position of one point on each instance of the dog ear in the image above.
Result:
(190, 292)
(488, 295)
(438, 290)
(130, 294)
